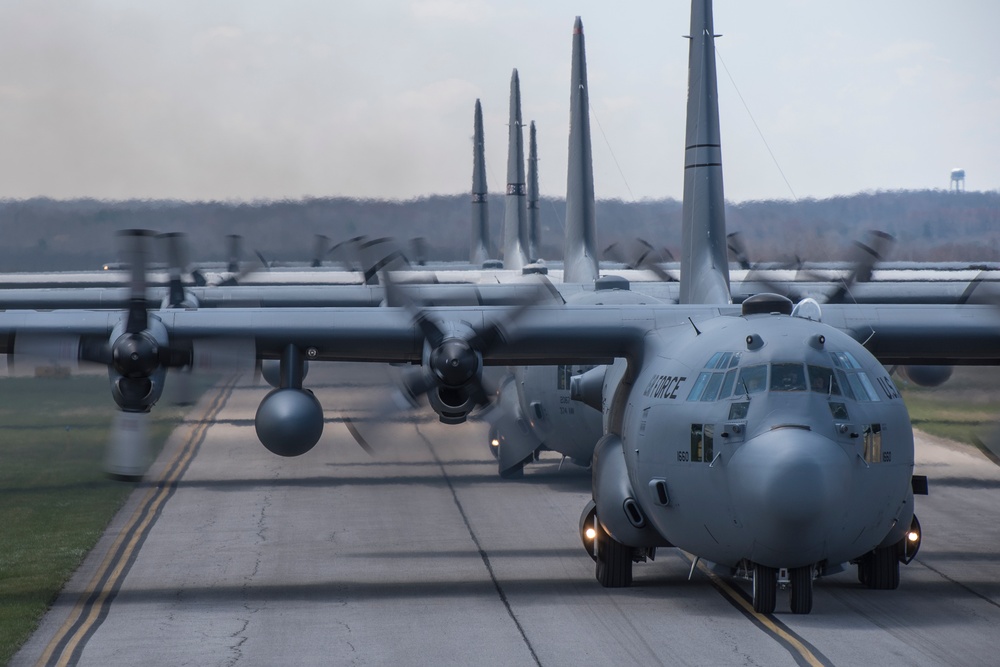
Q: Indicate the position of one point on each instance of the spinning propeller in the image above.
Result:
(640, 254)
(451, 374)
(136, 354)
(864, 255)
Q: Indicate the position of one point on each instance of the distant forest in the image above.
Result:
(46, 234)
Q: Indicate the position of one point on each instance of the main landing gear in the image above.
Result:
(879, 568)
(614, 561)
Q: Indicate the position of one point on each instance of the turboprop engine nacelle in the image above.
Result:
(927, 376)
(135, 372)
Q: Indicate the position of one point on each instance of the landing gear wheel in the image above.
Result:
(802, 589)
(879, 569)
(865, 569)
(765, 588)
(885, 569)
(614, 561)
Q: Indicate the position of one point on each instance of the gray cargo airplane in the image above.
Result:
(767, 439)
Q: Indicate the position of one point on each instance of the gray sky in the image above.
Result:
(247, 99)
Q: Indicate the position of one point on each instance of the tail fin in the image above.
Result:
(580, 249)
(704, 261)
(534, 233)
(515, 209)
(479, 252)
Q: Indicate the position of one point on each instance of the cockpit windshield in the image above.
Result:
(788, 377)
(753, 379)
(823, 380)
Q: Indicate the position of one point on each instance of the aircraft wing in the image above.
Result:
(545, 334)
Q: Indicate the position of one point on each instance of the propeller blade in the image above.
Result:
(321, 246)
(866, 254)
(135, 252)
(224, 355)
(129, 453)
(738, 249)
(175, 247)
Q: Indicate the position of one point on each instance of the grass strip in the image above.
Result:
(55, 500)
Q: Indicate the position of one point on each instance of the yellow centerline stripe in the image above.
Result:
(163, 491)
(763, 619)
(150, 505)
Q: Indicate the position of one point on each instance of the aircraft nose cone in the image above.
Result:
(792, 478)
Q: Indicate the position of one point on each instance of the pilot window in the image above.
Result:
(699, 387)
(788, 377)
(738, 410)
(727, 384)
(753, 379)
(845, 360)
(842, 378)
(854, 381)
(706, 387)
(862, 386)
(823, 380)
(712, 388)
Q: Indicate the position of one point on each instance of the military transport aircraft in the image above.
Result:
(767, 439)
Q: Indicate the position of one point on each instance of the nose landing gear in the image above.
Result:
(801, 589)
(765, 588)
(766, 581)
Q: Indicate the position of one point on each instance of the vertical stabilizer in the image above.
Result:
(515, 215)
(479, 252)
(534, 235)
(579, 252)
(704, 260)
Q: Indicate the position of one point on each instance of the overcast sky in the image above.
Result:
(248, 99)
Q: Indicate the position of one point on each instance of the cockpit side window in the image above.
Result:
(845, 360)
(727, 384)
(823, 381)
(712, 388)
(843, 383)
(788, 377)
(699, 387)
(753, 379)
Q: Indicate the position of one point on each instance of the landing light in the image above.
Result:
(590, 533)
(495, 442)
(913, 536)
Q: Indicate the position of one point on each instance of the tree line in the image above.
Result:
(932, 225)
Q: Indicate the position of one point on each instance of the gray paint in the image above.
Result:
(534, 233)
(704, 264)
(515, 215)
(479, 251)
(579, 251)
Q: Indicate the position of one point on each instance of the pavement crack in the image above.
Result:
(482, 552)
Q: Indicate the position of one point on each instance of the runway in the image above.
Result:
(422, 555)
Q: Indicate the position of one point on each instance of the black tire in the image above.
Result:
(765, 588)
(879, 569)
(865, 569)
(802, 589)
(885, 569)
(614, 561)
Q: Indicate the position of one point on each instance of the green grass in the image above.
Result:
(54, 498)
(967, 405)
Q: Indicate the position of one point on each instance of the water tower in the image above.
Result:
(958, 180)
